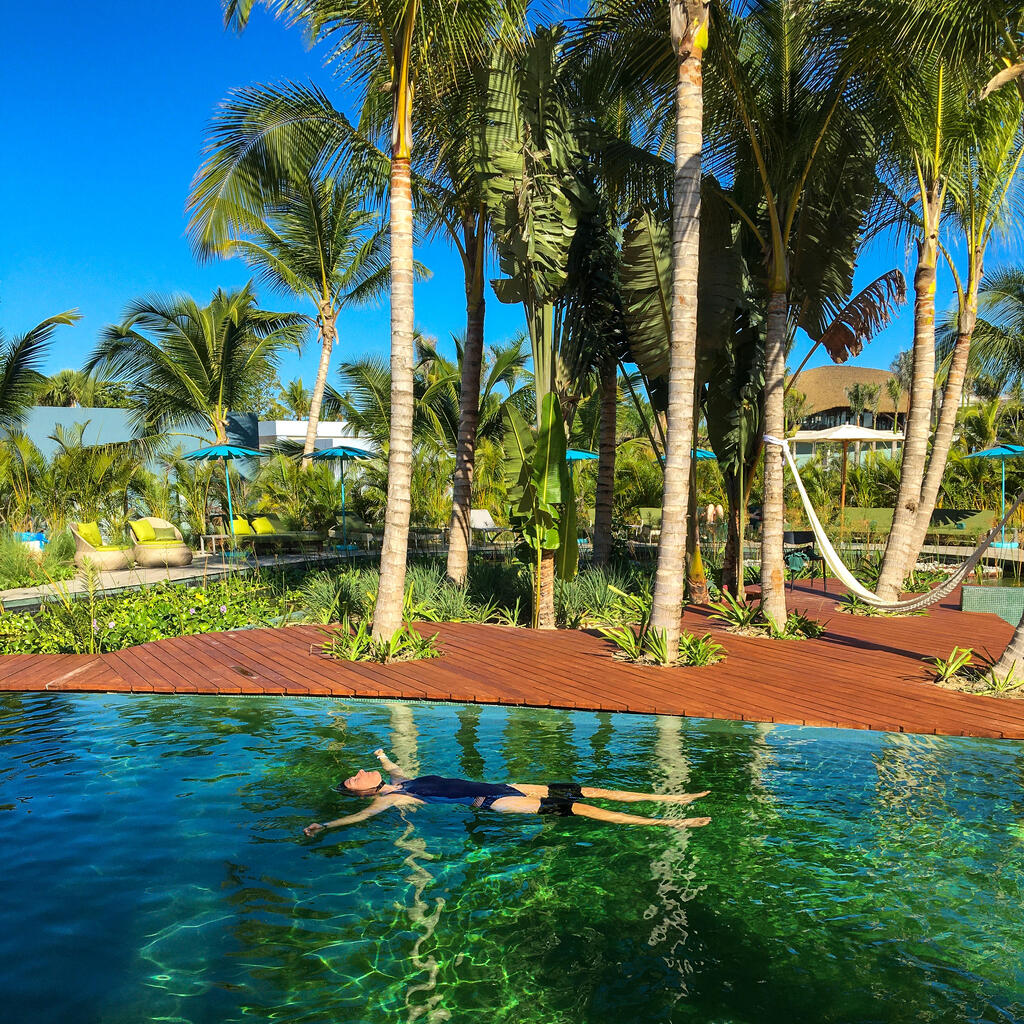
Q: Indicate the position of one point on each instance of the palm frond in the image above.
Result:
(867, 313)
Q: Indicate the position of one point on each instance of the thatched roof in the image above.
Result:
(825, 388)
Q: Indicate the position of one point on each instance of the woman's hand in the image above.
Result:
(314, 829)
(379, 753)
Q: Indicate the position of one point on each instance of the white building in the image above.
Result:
(329, 433)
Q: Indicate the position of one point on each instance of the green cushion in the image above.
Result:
(159, 543)
(143, 530)
(110, 547)
(241, 527)
(165, 533)
(90, 533)
(263, 526)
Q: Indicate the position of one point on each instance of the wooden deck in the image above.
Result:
(864, 673)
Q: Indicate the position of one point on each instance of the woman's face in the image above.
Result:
(363, 781)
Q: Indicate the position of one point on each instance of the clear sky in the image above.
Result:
(103, 107)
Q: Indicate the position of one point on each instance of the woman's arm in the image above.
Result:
(389, 766)
(381, 804)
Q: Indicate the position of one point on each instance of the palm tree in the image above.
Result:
(394, 49)
(295, 398)
(934, 59)
(20, 360)
(191, 365)
(997, 351)
(70, 388)
(985, 203)
(688, 27)
(310, 238)
(665, 60)
(793, 125)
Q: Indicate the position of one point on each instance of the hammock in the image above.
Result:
(840, 571)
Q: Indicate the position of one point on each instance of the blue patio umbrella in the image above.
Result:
(578, 455)
(700, 454)
(1002, 452)
(343, 452)
(225, 452)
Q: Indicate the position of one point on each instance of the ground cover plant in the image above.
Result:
(96, 623)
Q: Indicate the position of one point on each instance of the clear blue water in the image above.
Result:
(154, 870)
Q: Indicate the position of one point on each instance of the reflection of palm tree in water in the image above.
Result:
(674, 872)
(422, 917)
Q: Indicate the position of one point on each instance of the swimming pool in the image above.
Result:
(153, 869)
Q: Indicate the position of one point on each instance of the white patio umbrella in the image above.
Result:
(844, 434)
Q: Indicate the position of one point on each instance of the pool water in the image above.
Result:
(154, 869)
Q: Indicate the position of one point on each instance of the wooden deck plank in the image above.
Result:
(865, 673)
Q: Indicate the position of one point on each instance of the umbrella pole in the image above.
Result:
(344, 527)
(1002, 505)
(231, 514)
(842, 489)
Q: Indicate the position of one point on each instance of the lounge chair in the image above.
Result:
(481, 521)
(89, 546)
(158, 542)
(356, 532)
(650, 525)
(271, 530)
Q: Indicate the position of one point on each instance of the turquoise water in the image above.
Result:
(154, 869)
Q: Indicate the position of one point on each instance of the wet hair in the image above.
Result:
(342, 788)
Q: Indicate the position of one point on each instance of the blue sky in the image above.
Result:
(104, 107)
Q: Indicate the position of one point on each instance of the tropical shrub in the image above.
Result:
(405, 644)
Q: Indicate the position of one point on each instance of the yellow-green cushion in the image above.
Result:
(263, 526)
(109, 547)
(90, 533)
(241, 527)
(164, 533)
(143, 530)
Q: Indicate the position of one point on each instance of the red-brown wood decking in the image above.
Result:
(864, 673)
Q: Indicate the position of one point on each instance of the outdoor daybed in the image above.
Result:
(89, 546)
(158, 542)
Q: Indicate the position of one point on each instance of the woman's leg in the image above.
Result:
(531, 805)
(602, 814)
(627, 797)
(622, 795)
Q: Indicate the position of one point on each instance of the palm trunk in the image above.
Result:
(688, 22)
(546, 591)
(773, 570)
(605, 464)
(469, 408)
(918, 421)
(943, 440)
(328, 332)
(1012, 660)
(732, 557)
(387, 616)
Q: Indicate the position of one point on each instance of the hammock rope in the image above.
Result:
(843, 574)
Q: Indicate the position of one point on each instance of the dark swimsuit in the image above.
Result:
(435, 789)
